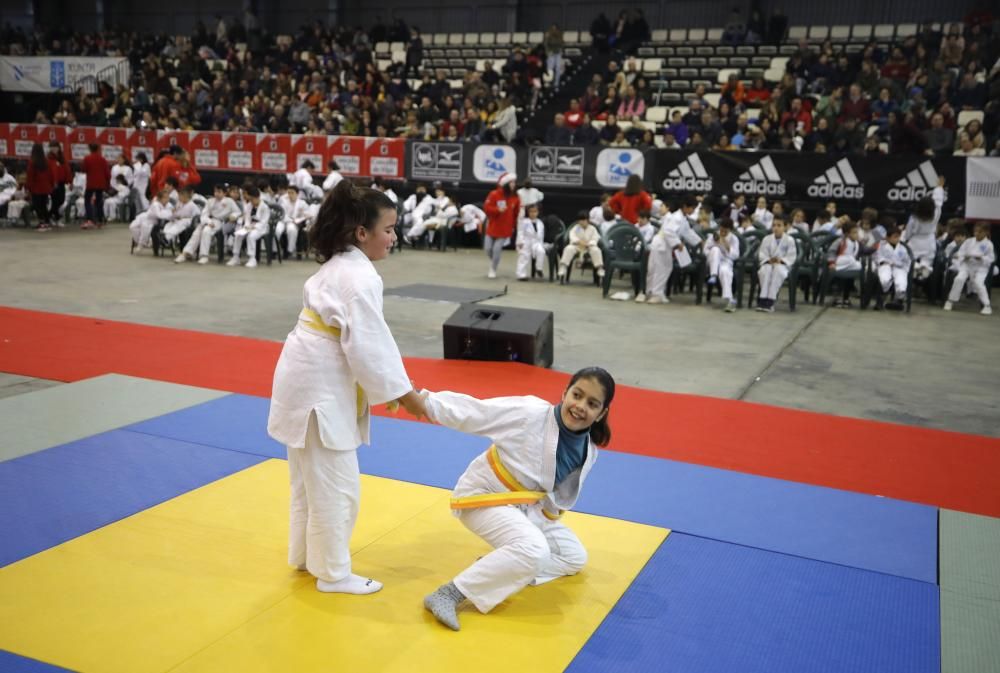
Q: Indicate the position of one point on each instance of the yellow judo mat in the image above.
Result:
(200, 583)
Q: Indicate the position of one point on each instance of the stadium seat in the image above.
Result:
(503, 38)
(571, 37)
(537, 37)
(685, 51)
(487, 38)
(724, 74)
(714, 34)
(819, 32)
(840, 33)
(713, 99)
(696, 35)
(689, 72)
(678, 35)
(381, 48)
(657, 114)
(862, 32)
(798, 32)
(904, 30)
(884, 31)
(665, 51)
(519, 38)
(645, 52)
(652, 64)
(440, 39)
(455, 39)
(966, 116)
(660, 35)
(746, 50)
(705, 51)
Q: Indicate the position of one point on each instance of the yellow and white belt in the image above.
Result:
(314, 321)
(517, 494)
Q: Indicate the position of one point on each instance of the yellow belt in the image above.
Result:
(313, 321)
(518, 494)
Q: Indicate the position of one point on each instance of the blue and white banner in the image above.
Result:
(49, 74)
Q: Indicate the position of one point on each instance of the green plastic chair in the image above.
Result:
(624, 250)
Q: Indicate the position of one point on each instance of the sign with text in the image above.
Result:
(348, 152)
(385, 158)
(309, 148)
(239, 152)
(206, 150)
(272, 152)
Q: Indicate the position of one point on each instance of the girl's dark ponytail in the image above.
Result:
(345, 209)
(600, 432)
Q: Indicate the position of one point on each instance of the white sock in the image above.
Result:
(352, 584)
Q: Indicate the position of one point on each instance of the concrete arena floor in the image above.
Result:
(929, 368)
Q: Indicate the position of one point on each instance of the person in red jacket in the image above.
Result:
(62, 173)
(40, 184)
(632, 200)
(501, 208)
(164, 163)
(98, 172)
(184, 170)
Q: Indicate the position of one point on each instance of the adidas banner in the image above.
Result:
(898, 181)
(982, 188)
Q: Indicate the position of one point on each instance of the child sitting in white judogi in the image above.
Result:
(645, 226)
(530, 244)
(121, 191)
(142, 225)
(723, 249)
(975, 260)
(253, 227)
(472, 218)
(775, 257)
(583, 238)
(296, 218)
(184, 213)
(893, 262)
(219, 211)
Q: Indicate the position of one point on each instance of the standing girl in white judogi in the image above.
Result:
(921, 230)
(338, 360)
(530, 243)
(513, 495)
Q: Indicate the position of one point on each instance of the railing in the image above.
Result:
(114, 74)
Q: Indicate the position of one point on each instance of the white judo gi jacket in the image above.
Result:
(520, 467)
(340, 358)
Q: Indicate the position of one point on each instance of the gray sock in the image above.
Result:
(443, 604)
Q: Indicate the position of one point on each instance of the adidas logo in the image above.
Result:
(839, 182)
(761, 178)
(917, 184)
(690, 176)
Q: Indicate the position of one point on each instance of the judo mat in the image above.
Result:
(970, 593)
(200, 583)
(852, 529)
(882, 459)
(446, 293)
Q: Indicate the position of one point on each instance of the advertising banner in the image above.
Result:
(982, 188)
(206, 150)
(141, 141)
(309, 148)
(239, 152)
(50, 74)
(114, 143)
(78, 142)
(386, 158)
(273, 151)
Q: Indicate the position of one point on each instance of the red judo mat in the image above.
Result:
(947, 469)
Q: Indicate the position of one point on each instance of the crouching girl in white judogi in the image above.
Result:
(893, 262)
(513, 494)
(339, 359)
(220, 211)
(530, 244)
(675, 230)
(296, 218)
(775, 257)
(184, 213)
(253, 227)
(142, 226)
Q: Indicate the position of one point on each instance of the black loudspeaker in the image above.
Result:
(479, 332)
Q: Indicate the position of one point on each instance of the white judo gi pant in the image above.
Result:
(570, 252)
(251, 236)
(111, 206)
(892, 276)
(772, 277)
(325, 495)
(200, 243)
(291, 232)
(660, 265)
(976, 276)
(723, 269)
(142, 230)
(430, 224)
(526, 253)
(528, 549)
(174, 228)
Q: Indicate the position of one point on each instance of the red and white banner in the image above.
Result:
(113, 142)
(78, 142)
(52, 134)
(166, 139)
(6, 149)
(273, 151)
(385, 158)
(23, 137)
(206, 150)
(144, 141)
(239, 152)
(349, 153)
(309, 148)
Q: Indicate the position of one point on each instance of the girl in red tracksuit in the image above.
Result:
(41, 182)
(62, 174)
(501, 207)
(632, 200)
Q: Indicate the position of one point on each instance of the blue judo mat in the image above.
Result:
(703, 606)
(851, 529)
(12, 663)
(60, 493)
